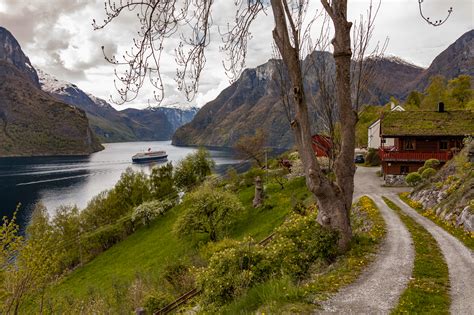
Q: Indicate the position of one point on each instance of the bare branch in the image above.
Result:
(427, 19)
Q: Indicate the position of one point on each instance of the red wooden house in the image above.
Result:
(422, 135)
(322, 145)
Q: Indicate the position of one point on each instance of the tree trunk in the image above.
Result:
(258, 198)
(333, 199)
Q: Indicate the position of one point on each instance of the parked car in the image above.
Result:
(359, 158)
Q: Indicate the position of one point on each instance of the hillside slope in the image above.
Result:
(254, 101)
(450, 194)
(33, 123)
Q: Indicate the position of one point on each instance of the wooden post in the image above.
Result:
(258, 199)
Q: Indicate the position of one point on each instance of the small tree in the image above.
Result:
(207, 210)
(148, 211)
(252, 147)
(413, 178)
(193, 169)
(162, 183)
(428, 173)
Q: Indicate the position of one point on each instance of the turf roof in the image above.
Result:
(428, 123)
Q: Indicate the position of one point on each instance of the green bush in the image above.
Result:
(372, 158)
(193, 169)
(250, 175)
(428, 173)
(156, 301)
(299, 242)
(231, 272)
(179, 277)
(207, 210)
(422, 169)
(162, 183)
(149, 210)
(433, 163)
(413, 179)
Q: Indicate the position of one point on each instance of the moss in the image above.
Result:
(428, 123)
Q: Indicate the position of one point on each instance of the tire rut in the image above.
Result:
(459, 258)
(378, 289)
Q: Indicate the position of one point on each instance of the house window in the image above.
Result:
(404, 169)
(443, 144)
(409, 144)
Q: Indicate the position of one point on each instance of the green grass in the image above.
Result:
(149, 250)
(428, 290)
(467, 238)
(283, 296)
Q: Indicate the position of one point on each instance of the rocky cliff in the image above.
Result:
(455, 60)
(451, 192)
(254, 101)
(32, 123)
(10, 51)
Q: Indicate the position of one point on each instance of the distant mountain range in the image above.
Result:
(31, 121)
(254, 100)
(106, 123)
(111, 125)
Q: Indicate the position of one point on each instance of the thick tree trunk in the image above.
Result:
(334, 199)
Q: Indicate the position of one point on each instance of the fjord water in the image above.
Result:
(56, 181)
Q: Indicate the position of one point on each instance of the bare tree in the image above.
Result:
(192, 20)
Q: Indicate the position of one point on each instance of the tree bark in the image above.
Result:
(334, 199)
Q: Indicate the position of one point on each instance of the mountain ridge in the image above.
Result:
(253, 101)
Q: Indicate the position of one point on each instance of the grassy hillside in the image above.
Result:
(150, 250)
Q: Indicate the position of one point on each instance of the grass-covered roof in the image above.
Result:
(428, 123)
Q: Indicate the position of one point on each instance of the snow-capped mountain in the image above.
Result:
(111, 125)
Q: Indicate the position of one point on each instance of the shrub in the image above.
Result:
(234, 268)
(250, 175)
(162, 183)
(207, 210)
(193, 169)
(422, 169)
(299, 242)
(428, 173)
(433, 163)
(154, 302)
(148, 211)
(231, 272)
(413, 178)
(179, 277)
(372, 158)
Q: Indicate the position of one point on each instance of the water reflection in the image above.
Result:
(59, 181)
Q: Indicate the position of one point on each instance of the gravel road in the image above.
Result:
(459, 258)
(379, 287)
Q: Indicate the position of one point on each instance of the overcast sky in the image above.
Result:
(58, 37)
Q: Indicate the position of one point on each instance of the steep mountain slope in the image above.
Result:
(455, 60)
(10, 51)
(254, 101)
(111, 125)
(33, 123)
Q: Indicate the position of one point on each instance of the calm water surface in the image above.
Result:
(56, 181)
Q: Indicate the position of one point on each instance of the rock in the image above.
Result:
(466, 219)
(395, 180)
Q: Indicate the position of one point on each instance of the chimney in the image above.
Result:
(441, 107)
(392, 105)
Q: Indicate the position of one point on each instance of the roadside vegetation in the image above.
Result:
(302, 292)
(428, 289)
(141, 245)
(467, 238)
